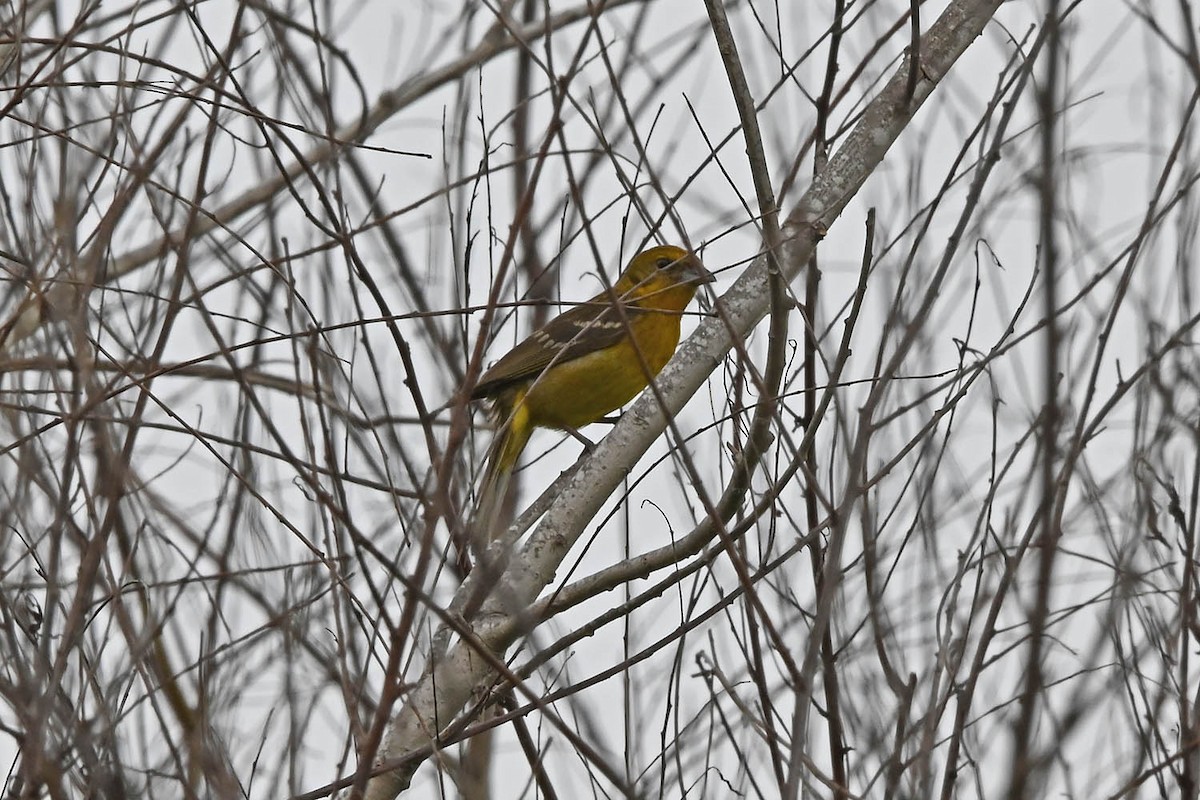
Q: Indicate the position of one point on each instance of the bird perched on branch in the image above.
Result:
(587, 361)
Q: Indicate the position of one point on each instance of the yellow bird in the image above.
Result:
(585, 363)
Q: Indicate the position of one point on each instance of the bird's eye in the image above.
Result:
(663, 263)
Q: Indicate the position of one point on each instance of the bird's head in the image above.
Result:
(661, 268)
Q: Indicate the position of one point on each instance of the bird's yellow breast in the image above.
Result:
(582, 390)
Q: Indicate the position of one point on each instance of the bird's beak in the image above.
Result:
(694, 272)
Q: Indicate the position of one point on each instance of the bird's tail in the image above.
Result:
(505, 449)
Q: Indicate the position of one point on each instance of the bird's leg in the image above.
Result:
(587, 443)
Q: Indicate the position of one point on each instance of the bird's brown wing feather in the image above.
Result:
(576, 332)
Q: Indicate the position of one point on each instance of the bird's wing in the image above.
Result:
(576, 332)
